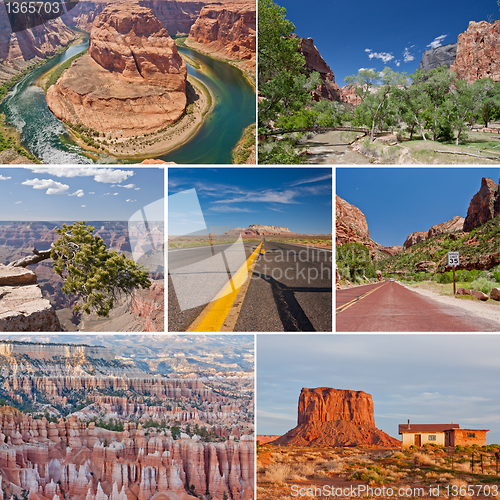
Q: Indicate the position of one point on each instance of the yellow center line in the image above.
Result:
(357, 299)
(212, 318)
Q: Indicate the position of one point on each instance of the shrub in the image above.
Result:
(277, 473)
(483, 285)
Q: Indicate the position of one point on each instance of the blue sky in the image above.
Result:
(399, 201)
(297, 198)
(391, 31)
(446, 378)
(77, 193)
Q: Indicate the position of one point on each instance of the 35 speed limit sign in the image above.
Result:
(453, 258)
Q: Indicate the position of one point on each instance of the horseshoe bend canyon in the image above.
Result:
(80, 422)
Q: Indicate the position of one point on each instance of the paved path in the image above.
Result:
(390, 307)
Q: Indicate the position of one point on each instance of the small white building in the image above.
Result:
(420, 434)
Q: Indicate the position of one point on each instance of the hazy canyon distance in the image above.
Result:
(42, 306)
(125, 93)
(94, 425)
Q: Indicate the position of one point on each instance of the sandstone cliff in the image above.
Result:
(314, 62)
(48, 351)
(451, 226)
(334, 417)
(132, 81)
(228, 29)
(484, 205)
(22, 307)
(478, 52)
(443, 55)
(18, 50)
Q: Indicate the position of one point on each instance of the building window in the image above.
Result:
(471, 434)
(432, 438)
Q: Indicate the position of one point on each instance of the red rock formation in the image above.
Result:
(333, 417)
(90, 463)
(150, 305)
(451, 226)
(478, 52)
(229, 29)
(314, 62)
(484, 205)
(349, 96)
(352, 217)
(132, 81)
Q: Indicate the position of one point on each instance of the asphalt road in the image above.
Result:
(290, 289)
(390, 307)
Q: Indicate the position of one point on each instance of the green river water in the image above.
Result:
(46, 137)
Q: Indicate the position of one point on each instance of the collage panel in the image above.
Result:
(91, 81)
(377, 416)
(250, 250)
(127, 417)
(407, 88)
(417, 249)
(82, 249)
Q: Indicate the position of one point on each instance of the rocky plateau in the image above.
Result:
(443, 55)
(131, 82)
(335, 417)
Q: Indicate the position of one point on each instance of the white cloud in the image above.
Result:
(227, 208)
(18, 202)
(2, 178)
(52, 187)
(84, 206)
(91, 192)
(78, 193)
(271, 196)
(398, 62)
(407, 55)
(313, 179)
(100, 174)
(383, 56)
(128, 186)
(110, 194)
(130, 201)
(437, 42)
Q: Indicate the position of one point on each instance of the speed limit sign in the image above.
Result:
(453, 258)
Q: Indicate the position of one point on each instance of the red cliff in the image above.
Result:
(478, 52)
(484, 205)
(228, 29)
(334, 417)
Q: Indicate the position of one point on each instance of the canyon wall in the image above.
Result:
(484, 205)
(478, 52)
(451, 226)
(72, 459)
(47, 351)
(228, 29)
(334, 417)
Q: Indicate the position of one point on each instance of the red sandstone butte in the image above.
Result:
(131, 82)
(336, 417)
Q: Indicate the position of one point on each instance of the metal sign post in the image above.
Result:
(454, 261)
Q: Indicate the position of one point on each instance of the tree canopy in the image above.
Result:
(91, 271)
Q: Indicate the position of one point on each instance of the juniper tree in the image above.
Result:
(91, 271)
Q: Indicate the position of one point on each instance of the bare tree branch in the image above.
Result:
(31, 259)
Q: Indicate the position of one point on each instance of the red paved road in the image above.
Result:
(390, 307)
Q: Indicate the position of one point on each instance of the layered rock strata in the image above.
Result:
(334, 417)
(451, 226)
(229, 29)
(46, 352)
(131, 82)
(72, 459)
(444, 55)
(478, 52)
(22, 307)
(484, 205)
(18, 50)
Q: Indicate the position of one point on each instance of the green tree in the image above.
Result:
(374, 89)
(353, 261)
(490, 102)
(435, 84)
(91, 271)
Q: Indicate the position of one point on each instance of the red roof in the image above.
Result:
(426, 427)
